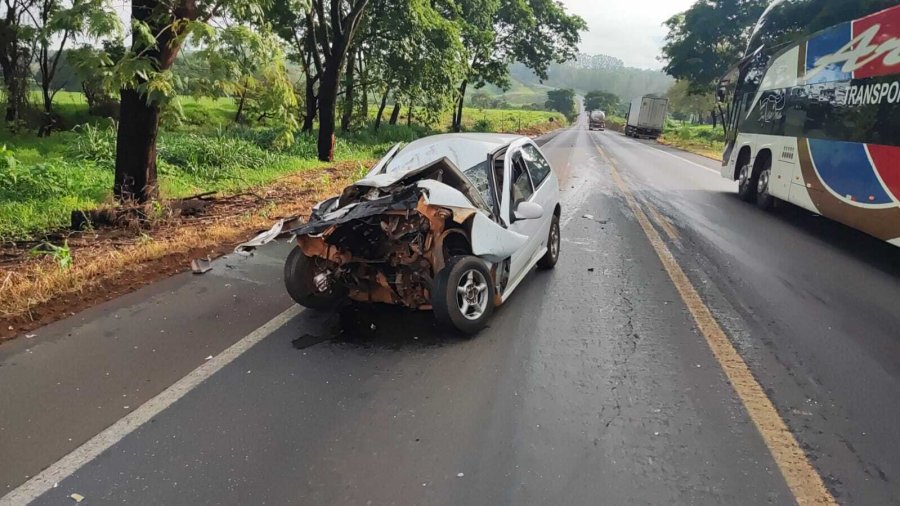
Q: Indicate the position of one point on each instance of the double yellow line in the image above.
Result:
(801, 477)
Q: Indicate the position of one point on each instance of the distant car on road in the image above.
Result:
(451, 223)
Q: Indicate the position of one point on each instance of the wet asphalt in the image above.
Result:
(591, 385)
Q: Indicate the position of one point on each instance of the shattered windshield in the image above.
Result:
(478, 175)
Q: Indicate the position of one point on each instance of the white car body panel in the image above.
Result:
(493, 242)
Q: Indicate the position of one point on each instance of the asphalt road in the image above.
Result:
(593, 384)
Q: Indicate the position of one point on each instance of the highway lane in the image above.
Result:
(812, 305)
(591, 385)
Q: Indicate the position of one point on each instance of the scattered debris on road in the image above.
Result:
(201, 265)
(77, 497)
(266, 237)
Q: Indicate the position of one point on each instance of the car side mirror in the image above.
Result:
(528, 211)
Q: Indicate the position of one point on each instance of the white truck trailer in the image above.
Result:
(646, 117)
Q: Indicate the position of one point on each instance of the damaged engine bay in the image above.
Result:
(385, 238)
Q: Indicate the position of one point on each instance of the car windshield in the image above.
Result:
(478, 175)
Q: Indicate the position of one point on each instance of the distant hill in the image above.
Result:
(598, 72)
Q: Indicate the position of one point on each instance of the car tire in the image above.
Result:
(764, 199)
(548, 261)
(463, 296)
(747, 183)
(298, 279)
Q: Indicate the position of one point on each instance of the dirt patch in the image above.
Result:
(39, 288)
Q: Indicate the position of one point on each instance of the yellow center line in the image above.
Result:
(664, 223)
(803, 480)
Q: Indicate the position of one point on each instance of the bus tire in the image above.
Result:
(747, 182)
(764, 199)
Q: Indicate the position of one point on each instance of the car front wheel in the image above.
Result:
(300, 279)
(463, 295)
(548, 261)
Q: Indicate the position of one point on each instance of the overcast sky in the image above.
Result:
(630, 30)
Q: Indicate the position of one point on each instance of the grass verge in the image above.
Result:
(703, 140)
(35, 290)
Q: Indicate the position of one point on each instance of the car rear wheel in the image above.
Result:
(300, 272)
(548, 261)
(463, 295)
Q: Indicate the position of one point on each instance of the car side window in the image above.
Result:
(538, 166)
(520, 184)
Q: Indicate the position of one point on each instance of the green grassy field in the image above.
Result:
(42, 180)
(701, 139)
(518, 94)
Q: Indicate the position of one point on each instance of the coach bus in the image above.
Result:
(815, 121)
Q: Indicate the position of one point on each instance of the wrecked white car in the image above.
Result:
(451, 223)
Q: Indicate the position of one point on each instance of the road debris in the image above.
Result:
(246, 248)
(201, 265)
(592, 218)
(30, 336)
(77, 497)
(208, 358)
(459, 475)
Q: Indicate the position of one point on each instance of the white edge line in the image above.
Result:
(68, 465)
(685, 160)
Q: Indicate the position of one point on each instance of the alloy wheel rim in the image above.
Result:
(763, 186)
(744, 175)
(472, 294)
(554, 240)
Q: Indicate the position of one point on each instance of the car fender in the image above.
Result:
(493, 242)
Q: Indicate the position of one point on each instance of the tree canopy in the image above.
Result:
(601, 101)
(709, 37)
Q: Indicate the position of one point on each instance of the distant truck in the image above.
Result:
(597, 120)
(646, 117)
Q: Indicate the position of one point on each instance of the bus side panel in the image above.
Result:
(830, 167)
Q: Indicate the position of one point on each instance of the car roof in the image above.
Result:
(464, 150)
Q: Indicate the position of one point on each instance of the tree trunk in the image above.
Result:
(327, 101)
(312, 105)
(240, 109)
(409, 114)
(364, 92)
(347, 116)
(395, 113)
(135, 178)
(136, 148)
(381, 108)
(461, 100)
(14, 75)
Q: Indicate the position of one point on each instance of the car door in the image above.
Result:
(546, 187)
(519, 188)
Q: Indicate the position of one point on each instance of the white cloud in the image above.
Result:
(630, 30)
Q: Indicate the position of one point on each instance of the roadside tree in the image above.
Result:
(497, 33)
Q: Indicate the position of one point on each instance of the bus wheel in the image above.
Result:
(747, 183)
(764, 199)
